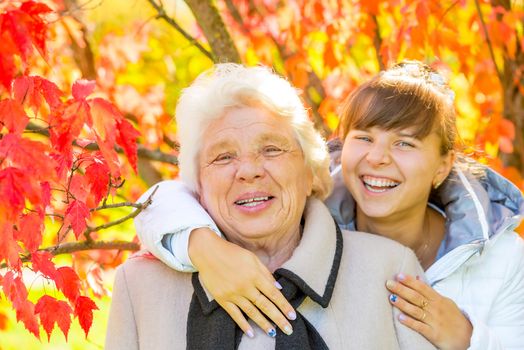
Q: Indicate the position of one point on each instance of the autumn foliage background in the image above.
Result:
(87, 94)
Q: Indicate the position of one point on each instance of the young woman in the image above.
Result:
(398, 178)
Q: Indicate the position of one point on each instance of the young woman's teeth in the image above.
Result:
(251, 202)
(378, 185)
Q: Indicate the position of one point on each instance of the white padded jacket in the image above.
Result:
(480, 262)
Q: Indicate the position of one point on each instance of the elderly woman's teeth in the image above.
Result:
(251, 202)
(378, 185)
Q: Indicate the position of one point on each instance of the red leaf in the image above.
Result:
(30, 232)
(72, 120)
(53, 311)
(7, 68)
(26, 27)
(29, 155)
(26, 313)
(79, 188)
(64, 161)
(12, 188)
(83, 88)
(46, 194)
(13, 116)
(110, 156)
(33, 90)
(105, 115)
(15, 24)
(14, 289)
(84, 311)
(126, 137)
(9, 249)
(68, 282)
(42, 262)
(76, 214)
(35, 8)
(97, 175)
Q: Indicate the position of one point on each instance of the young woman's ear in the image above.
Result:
(444, 169)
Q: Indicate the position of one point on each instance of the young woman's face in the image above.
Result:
(390, 173)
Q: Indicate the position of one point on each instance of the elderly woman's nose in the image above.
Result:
(378, 154)
(249, 168)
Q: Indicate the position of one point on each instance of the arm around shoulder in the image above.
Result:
(165, 225)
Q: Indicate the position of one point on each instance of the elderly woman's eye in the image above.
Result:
(272, 151)
(223, 158)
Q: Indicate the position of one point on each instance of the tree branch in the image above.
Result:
(141, 151)
(215, 30)
(72, 247)
(488, 41)
(89, 244)
(313, 79)
(162, 14)
(140, 207)
(377, 43)
(82, 54)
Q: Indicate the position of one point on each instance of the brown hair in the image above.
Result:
(410, 94)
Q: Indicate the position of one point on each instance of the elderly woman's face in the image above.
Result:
(253, 178)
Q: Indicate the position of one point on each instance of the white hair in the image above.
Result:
(230, 85)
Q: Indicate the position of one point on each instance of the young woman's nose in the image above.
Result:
(378, 154)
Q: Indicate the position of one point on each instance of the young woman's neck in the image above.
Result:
(422, 231)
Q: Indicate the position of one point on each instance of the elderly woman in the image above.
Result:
(261, 170)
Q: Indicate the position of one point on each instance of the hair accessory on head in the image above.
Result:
(411, 68)
(437, 79)
(418, 70)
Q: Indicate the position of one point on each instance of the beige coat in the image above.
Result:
(151, 301)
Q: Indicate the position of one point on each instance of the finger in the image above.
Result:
(416, 284)
(256, 316)
(410, 309)
(425, 330)
(272, 312)
(275, 296)
(239, 318)
(407, 293)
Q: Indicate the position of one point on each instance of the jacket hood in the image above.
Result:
(478, 204)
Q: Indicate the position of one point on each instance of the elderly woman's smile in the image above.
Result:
(253, 176)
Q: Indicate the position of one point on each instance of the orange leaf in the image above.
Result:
(13, 116)
(9, 249)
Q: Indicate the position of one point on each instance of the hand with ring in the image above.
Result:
(434, 316)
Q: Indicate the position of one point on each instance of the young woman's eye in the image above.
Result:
(363, 138)
(272, 151)
(405, 144)
(223, 158)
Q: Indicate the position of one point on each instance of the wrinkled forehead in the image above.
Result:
(248, 126)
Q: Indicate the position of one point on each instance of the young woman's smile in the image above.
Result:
(390, 172)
